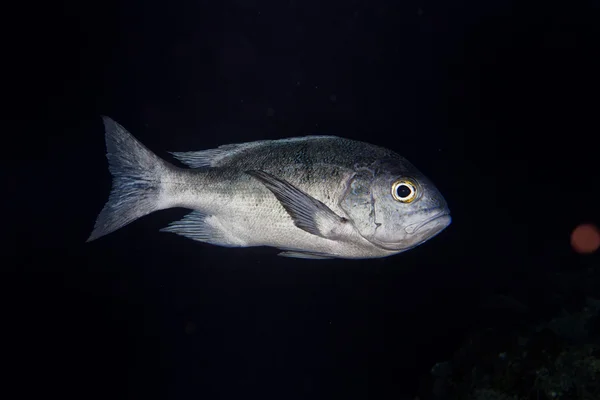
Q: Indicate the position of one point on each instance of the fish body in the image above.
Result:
(313, 196)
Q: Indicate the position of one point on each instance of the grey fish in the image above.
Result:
(313, 197)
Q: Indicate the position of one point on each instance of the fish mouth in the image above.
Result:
(443, 217)
(441, 220)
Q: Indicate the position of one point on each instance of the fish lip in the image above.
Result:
(401, 246)
(396, 246)
(410, 229)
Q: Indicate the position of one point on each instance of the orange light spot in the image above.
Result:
(585, 239)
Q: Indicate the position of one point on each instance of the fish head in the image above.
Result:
(393, 205)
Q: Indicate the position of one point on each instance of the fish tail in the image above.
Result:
(136, 186)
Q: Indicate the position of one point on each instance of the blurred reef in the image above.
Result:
(550, 350)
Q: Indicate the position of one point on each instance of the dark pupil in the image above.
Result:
(403, 191)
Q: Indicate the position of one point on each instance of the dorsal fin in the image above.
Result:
(219, 156)
(213, 157)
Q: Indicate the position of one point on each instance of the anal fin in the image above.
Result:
(201, 227)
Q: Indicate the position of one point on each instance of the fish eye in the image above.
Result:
(404, 190)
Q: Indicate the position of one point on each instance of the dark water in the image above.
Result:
(496, 102)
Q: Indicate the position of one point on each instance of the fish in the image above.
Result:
(313, 197)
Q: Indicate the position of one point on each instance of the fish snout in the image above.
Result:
(438, 221)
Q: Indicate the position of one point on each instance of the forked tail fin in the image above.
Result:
(136, 185)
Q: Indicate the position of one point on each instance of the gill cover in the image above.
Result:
(359, 202)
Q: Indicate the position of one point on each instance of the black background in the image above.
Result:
(496, 102)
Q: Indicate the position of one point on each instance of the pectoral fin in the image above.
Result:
(307, 212)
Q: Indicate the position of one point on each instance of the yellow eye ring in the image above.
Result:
(404, 190)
